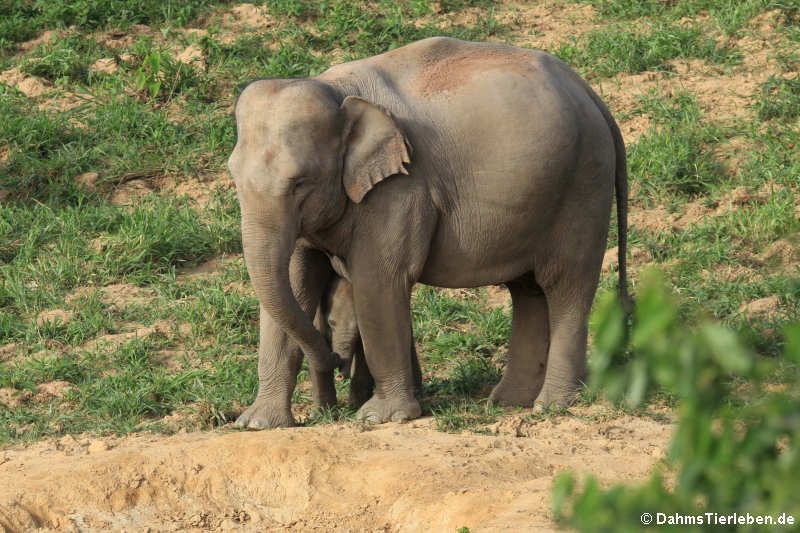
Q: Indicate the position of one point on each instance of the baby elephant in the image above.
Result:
(336, 320)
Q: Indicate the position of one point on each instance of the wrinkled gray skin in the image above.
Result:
(336, 320)
(511, 180)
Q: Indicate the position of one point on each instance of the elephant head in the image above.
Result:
(339, 317)
(302, 154)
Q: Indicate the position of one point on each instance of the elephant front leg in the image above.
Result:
(384, 318)
(280, 358)
(279, 361)
(362, 384)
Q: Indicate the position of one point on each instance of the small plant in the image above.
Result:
(160, 77)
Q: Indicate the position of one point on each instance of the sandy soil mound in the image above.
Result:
(344, 477)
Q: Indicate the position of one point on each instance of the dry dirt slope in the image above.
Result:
(347, 477)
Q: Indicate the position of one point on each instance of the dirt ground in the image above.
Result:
(345, 477)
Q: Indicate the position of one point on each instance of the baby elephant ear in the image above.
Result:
(375, 148)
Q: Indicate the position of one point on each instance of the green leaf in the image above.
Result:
(154, 87)
(726, 350)
(563, 487)
(637, 386)
(609, 332)
(792, 334)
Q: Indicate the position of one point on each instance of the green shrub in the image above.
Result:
(736, 448)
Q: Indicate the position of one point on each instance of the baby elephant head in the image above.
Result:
(339, 319)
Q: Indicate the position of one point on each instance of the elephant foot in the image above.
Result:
(557, 397)
(509, 395)
(360, 391)
(357, 398)
(264, 414)
(380, 410)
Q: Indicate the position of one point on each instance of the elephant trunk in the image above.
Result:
(267, 250)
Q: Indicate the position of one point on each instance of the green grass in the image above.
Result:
(608, 52)
(22, 19)
(780, 98)
(64, 59)
(159, 121)
(675, 156)
(729, 15)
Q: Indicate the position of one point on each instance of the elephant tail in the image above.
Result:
(621, 190)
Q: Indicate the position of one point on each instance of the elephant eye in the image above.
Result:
(298, 183)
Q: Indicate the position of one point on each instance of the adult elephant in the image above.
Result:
(511, 180)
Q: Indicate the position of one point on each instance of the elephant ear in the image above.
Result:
(375, 148)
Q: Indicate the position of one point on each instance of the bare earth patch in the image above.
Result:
(105, 65)
(117, 40)
(45, 393)
(207, 268)
(118, 295)
(133, 331)
(250, 16)
(498, 296)
(545, 26)
(8, 351)
(28, 85)
(55, 316)
(44, 37)
(192, 55)
(731, 273)
(51, 390)
(34, 87)
(762, 307)
(346, 477)
(200, 190)
(638, 256)
(697, 211)
(129, 192)
(13, 398)
(243, 17)
(783, 255)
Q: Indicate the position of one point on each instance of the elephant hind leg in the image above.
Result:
(569, 303)
(525, 373)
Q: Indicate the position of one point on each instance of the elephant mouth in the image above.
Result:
(345, 365)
